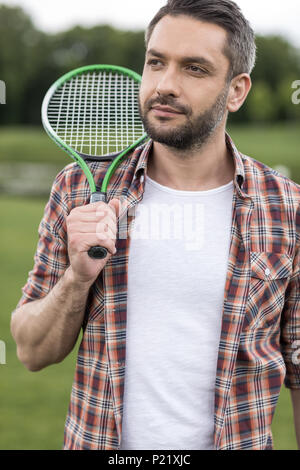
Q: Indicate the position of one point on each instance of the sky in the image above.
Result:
(265, 16)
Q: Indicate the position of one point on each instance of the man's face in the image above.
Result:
(183, 95)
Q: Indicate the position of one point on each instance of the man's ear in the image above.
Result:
(238, 92)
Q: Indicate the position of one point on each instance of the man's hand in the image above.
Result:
(46, 330)
(87, 226)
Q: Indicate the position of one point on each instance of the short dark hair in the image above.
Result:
(240, 47)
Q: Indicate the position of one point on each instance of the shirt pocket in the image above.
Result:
(270, 275)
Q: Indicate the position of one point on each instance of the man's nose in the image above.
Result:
(168, 83)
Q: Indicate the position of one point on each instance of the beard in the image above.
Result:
(189, 136)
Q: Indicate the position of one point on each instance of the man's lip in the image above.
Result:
(166, 109)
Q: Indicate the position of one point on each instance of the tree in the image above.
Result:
(277, 66)
(17, 38)
(30, 61)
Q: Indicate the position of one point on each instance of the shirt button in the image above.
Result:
(267, 272)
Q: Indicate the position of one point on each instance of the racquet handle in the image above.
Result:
(98, 252)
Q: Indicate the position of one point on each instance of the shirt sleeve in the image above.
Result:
(290, 327)
(51, 256)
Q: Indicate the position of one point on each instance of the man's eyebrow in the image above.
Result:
(156, 53)
(195, 59)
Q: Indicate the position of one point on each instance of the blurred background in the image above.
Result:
(40, 41)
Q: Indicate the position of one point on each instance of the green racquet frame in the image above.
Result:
(71, 115)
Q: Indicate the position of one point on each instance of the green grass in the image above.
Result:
(32, 144)
(29, 144)
(272, 144)
(33, 406)
(277, 144)
(283, 423)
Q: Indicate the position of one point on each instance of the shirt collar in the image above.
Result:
(239, 176)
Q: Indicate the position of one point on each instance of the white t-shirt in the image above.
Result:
(178, 257)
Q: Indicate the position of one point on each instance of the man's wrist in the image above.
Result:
(73, 281)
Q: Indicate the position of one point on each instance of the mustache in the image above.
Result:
(167, 101)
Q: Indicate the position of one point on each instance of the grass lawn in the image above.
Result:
(29, 144)
(276, 144)
(33, 406)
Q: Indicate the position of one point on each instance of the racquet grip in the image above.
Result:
(98, 252)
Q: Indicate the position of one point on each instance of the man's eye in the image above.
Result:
(154, 62)
(196, 69)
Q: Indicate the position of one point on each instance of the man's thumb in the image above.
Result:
(116, 205)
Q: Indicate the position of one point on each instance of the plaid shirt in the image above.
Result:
(261, 312)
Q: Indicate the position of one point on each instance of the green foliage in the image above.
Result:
(287, 109)
(17, 38)
(270, 99)
(262, 103)
(32, 60)
(276, 59)
(278, 66)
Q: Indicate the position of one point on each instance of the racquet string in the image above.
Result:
(97, 113)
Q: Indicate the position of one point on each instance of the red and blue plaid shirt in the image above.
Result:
(261, 311)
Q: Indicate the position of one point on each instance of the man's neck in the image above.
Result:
(210, 167)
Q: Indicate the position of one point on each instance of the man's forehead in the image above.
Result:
(184, 36)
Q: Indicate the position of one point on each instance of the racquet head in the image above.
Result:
(93, 113)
